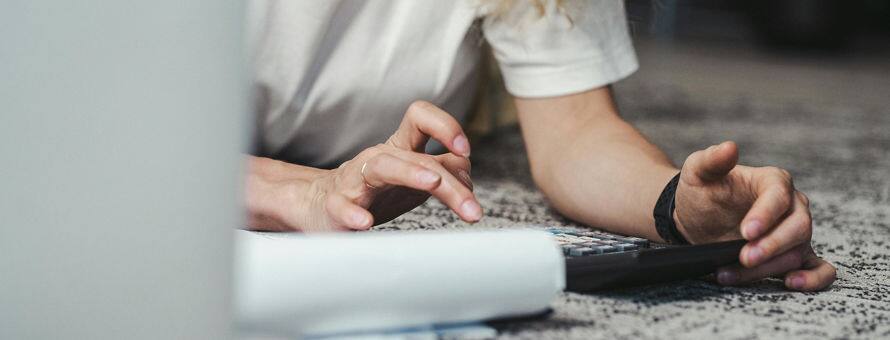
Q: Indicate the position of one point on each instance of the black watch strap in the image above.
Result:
(664, 214)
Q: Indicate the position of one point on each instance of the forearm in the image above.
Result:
(609, 177)
(593, 166)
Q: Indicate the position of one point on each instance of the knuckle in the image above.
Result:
(418, 107)
(784, 173)
(805, 230)
(370, 152)
(777, 172)
(378, 161)
(806, 223)
(427, 161)
(785, 193)
(804, 198)
(803, 227)
(769, 246)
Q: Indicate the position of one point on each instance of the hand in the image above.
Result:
(718, 200)
(379, 184)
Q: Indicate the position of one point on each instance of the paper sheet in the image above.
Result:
(297, 284)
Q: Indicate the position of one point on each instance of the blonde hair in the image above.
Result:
(500, 8)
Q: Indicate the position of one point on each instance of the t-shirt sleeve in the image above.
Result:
(581, 46)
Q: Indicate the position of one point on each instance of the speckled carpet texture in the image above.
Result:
(840, 157)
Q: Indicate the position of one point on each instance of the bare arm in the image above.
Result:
(593, 166)
(597, 169)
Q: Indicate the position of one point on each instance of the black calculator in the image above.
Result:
(597, 260)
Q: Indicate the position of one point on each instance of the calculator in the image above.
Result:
(597, 260)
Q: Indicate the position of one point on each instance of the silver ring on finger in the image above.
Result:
(365, 180)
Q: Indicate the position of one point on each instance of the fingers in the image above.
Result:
(817, 274)
(346, 214)
(713, 163)
(794, 230)
(738, 274)
(451, 191)
(457, 166)
(388, 165)
(384, 169)
(424, 120)
(775, 196)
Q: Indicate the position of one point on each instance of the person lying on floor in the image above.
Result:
(350, 92)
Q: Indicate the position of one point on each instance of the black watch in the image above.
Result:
(664, 214)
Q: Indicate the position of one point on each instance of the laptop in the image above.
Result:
(121, 134)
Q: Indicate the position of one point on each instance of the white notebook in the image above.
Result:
(298, 285)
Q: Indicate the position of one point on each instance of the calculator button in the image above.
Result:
(581, 251)
(638, 241)
(607, 249)
(566, 250)
(627, 246)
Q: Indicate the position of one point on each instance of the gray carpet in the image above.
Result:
(840, 156)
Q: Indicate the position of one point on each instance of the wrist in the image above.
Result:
(691, 237)
(280, 196)
(665, 216)
(682, 228)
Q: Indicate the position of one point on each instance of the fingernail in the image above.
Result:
(462, 145)
(465, 177)
(727, 277)
(754, 255)
(360, 220)
(427, 177)
(471, 210)
(752, 229)
(797, 282)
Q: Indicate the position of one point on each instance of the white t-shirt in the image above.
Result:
(335, 77)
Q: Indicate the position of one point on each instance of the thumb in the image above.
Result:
(713, 163)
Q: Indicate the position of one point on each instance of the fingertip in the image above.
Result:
(361, 220)
(728, 146)
(728, 151)
(470, 210)
(752, 228)
(751, 255)
(727, 276)
(461, 146)
(796, 282)
(712, 163)
(743, 259)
